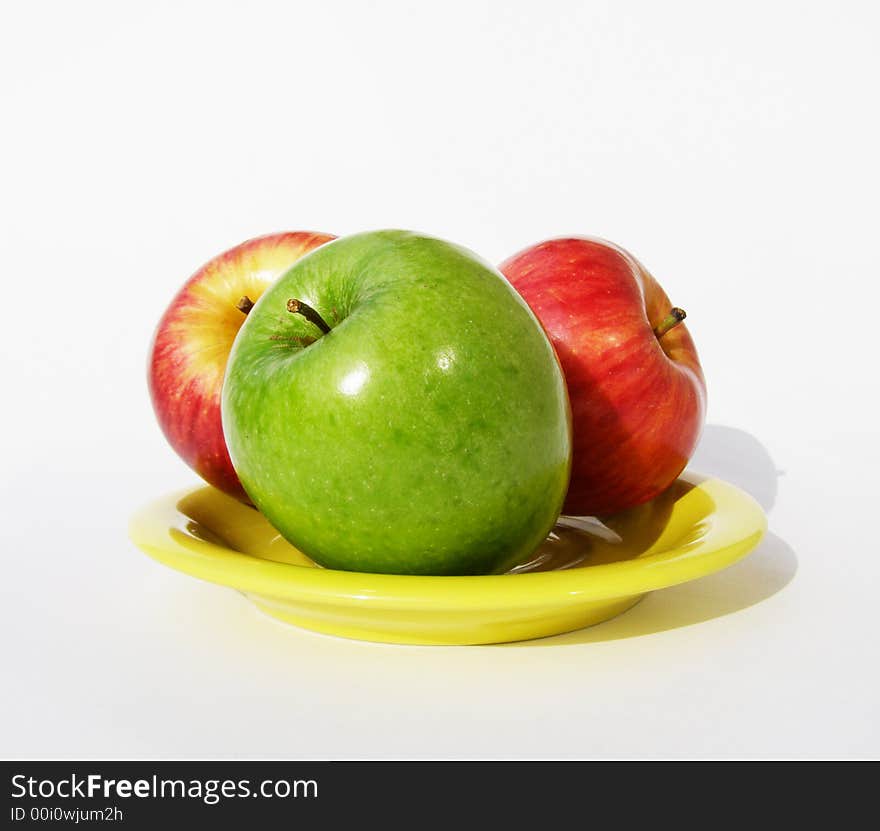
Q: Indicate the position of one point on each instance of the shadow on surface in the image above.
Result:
(739, 458)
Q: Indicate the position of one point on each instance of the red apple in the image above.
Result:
(638, 396)
(192, 343)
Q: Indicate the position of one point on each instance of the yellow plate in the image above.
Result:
(583, 574)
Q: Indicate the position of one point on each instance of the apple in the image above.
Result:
(392, 405)
(638, 396)
(192, 343)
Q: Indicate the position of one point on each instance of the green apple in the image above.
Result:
(391, 405)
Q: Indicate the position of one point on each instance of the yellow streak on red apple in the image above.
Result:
(205, 335)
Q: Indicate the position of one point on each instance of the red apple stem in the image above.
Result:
(245, 304)
(299, 308)
(669, 322)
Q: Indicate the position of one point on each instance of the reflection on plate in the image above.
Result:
(584, 573)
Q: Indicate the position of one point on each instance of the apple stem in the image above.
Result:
(245, 304)
(671, 320)
(304, 309)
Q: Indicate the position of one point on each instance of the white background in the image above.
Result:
(732, 148)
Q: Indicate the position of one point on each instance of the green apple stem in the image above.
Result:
(245, 304)
(304, 309)
(671, 320)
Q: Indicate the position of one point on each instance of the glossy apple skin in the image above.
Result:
(427, 433)
(192, 342)
(638, 402)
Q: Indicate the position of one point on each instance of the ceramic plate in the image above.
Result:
(584, 573)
